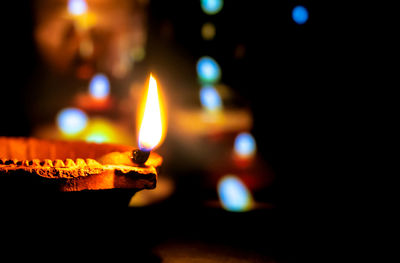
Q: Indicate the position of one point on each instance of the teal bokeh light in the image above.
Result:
(208, 70)
(211, 7)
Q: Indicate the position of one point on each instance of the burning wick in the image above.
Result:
(139, 156)
(150, 133)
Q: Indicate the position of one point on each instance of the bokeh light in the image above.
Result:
(208, 31)
(211, 7)
(103, 130)
(71, 121)
(300, 14)
(99, 86)
(77, 7)
(234, 195)
(208, 70)
(138, 54)
(245, 145)
(210, 98)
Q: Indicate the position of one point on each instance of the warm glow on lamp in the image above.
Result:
(152, 123)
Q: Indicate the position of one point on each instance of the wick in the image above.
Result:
(139, 156)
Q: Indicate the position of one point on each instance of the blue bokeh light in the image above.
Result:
(234, 195)
(300, 14)
(209, 98)
(212, 7)
(99, 86)
(77, 7)
(245, 145)
(71, 120)
(208, 70)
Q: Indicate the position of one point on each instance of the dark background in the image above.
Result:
(289, 76)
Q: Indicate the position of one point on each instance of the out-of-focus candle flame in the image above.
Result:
(77, 7)
(99, 86)
(210, 98)
(151, 127)
(234, 195)
(208, 70)
(245, 145)
(71, 121)
(211, 7)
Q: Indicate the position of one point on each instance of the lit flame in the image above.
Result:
(151, 128)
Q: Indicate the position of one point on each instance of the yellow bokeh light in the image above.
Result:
(86, 21)
(208, 31)
(138, 54)
(105, 131)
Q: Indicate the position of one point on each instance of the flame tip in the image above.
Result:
(151, 127)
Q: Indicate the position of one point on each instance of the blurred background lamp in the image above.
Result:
(300, 14)
(71, 120)
(234, 195)
(102, 130)
(210, 99)
(138, 54)
(211, 7)
(245, 145)
(208, 70)
(77, 7)
(208, 31)
(99, 86)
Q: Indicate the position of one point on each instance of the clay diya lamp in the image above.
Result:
(31, 167)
